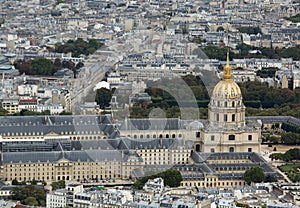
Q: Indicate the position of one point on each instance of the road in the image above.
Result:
(97, 64)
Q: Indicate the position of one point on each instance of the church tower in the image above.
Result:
(226, 108)
(227, 129)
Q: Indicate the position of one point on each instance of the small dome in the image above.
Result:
(227, 88)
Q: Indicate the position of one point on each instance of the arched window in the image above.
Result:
(225, 103)
(231, 149)
(225, 117)
(233, 117)
(233, 104)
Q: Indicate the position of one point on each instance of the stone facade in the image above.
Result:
(227, 130)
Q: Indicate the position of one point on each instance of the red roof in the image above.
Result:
(21, 206)
(27, 101)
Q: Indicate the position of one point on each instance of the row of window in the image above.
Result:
(202, 184)
(155, 136)
(225, 118)
(229, 104)
(230, 137)
(231, 149)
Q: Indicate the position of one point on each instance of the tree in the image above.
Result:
(103, 97)
(41, 66)
(24, 193)
(57, 64)
(58, 185)
(15, 182)
(65, 113)
(270, 178)
(254, 174)
(290, 138)
(220, 53)
(79, 65)
(171, 178)
(295, 18)
(68, 64)
(33, 182)
(31, 201)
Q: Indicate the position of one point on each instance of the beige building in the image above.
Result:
(227, 129)
(11, 105)
(223, 170)
(89, 160)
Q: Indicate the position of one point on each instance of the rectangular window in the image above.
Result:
(249, 137)
(225, 117)
(212, 138)
(231, 137)
(198, 134)
(249, 149)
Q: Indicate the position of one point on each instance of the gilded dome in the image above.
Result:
(227, 88)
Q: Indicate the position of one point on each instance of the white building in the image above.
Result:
(114, 78)
(57, 198)
(155, 185)
(84, 199)
(30, 90)
(53, 108)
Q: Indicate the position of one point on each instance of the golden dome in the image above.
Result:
(227, 88)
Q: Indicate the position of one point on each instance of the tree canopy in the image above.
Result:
(78, 47)
(103, 97)
(171, 178)
(42, 66)
(58, 185)
(29, 195)
(215, 52)
(254, 174)
(295, 18)
(290, 155)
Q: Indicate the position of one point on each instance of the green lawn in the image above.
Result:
(289, 167)
(292, 171)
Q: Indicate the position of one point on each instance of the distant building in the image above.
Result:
(155, 185)
(58, 198)
(139, 97)
(11, 105)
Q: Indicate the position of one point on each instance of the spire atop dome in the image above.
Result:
(227, 69)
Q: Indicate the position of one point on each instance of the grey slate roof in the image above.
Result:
(34, 157)
(41, 125)
(151, 124)
(74, 156)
